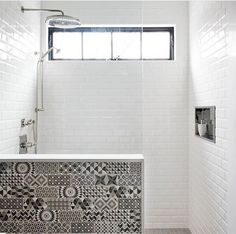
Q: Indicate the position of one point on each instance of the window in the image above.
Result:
(156, 45)
(112, 43)
(96, 45)
(126, 45)
(70, 44)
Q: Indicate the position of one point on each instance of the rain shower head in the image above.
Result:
(62, 21)
(59, 21)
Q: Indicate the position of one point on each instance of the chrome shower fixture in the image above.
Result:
(26, 123)
(58, 21)
(48, 51)
(39, 90)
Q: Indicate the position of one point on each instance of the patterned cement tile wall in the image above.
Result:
(71, 197)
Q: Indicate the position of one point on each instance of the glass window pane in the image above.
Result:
(96, 45)
(126, 45)
(156, 45)
(69, 44)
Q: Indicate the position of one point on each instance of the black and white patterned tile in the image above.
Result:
(83, 180)
(106, 227)
(70, 197)
(130, 227)
(135, 168)
(70, 216)
(11, 227)
(35, 204)
(93, 191)
(135, 215)
(23, 215)
(22, 191)
(129, 204)
(85, 227)
(117, 215)
(10, 204)
(23, 168)
(82, 203)
(17, 215)
(58, 204)
(5, 167)
(106, 203)
(118, 191)
(5, 215)
(35, 227)
(93, 167)
(69, 191)
(58, 180)
(94, 215)
(46, 168)
(135, 191)
(118, 168)
(130, 180)
(69, 167)
(47, 215)
(45, 192)
(57, 227)
(106, 179)
(11, 180)
(5, 191)
(35, 180)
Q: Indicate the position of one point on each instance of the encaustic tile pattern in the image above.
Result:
(71, 197)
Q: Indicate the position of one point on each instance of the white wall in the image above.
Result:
(165, 119)
(231, 9)
(19, 39)
(126, 107)
(209, 80)
(91, 107)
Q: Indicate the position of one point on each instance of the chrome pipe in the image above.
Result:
(40, 83)
(39, 9)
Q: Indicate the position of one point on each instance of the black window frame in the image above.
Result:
(171, 30)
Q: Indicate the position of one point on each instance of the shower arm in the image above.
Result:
(35, 9)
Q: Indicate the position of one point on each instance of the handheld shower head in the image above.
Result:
(48, 51)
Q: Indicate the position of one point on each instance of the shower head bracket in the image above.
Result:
(40, 9)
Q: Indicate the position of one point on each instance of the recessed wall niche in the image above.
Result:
(205, 122)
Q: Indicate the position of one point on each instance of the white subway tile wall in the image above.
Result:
(19, 38)
(92, 107)
(165, 145)
(126, 107)
(165, 124)
(208, 86)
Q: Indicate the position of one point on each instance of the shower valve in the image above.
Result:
(25, 123)
(27, 145)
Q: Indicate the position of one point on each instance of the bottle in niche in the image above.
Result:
(202, 129)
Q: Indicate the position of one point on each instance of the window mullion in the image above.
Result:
(82, 46)
(111, 45)
(141, 50)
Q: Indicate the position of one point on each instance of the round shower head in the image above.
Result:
(62, 21)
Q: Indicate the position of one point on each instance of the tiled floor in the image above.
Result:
(167, 231)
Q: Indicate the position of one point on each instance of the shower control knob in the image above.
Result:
(25, 123)
(27, 145)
